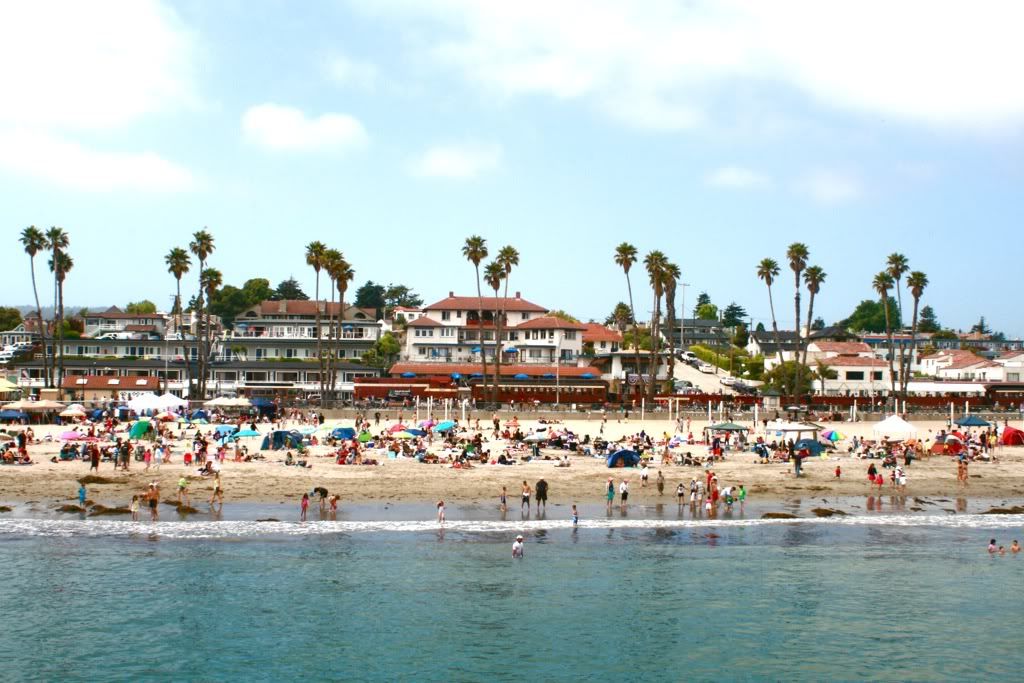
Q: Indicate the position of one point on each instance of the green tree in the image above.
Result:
(60, 265)
(384, 352)
(508, 258)
(945, 334)
(818, 324)
(474, 250)
(882, 283)
(343, 274)
(814, 276)
(34, 241)
(981, 327)
(929, 322)
(371, 295)
(707, 312)
(786, 375)
(734, 315)
(620, 317)
(741, 337)
(643, 334)
(625, 257)
(797, 254)
(897, 266)
(316, 253)
(10, 318)
(655, 262)
(671, 277)
(400, 295)
(869, 316)
(768, 271)
(703, 299)
(201, 246)
(289, 290)
(916, 282)
(144, 307)
(227, 302)
(562, 315)
(257, 290)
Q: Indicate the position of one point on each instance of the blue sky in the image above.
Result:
(716, 132)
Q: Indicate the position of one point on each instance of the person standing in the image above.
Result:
(440, 511)
(183, 491)
(623, 494)
(304, 507)
(517, 548)
(661, 483)
(643, 476)
(218, 490)
(680, 494)
(541, 493)
(576, 517)
(153, 498)
(525, 499)
(81, 496)
(610, 493)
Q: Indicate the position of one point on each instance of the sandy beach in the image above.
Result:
(405, 480)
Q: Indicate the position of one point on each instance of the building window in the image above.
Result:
(524, 316)
(856, 375)
(535, 353)
(447, 331)
(570, 334)
(876, 375)
(446, 315)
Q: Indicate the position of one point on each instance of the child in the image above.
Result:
(575, 517)
(504, 500)
(839, 472)
(81, 495)
(135, 508)
(304, 507)
(334, 502)
(440, 512)
(680, 493)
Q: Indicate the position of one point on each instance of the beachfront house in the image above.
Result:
(599, 340)
(854, 368)
(762, 343)
(286, 330)
(114, 321)
(956, 364)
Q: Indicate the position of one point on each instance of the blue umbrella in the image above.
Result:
(444, 426)
(244, 432)
(511, 349)
(809, 445)
(476, 349)
(456, 375)
(225, 428)
(408, 374)
(416, 432)
(587, 375)
(521, 376)
(549, 375)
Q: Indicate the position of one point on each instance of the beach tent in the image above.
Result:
(13, 415)
(144, 402)
(895, 425)
(397, 428)
(416, 432)
(139, 429)
(624, 458)
(1012, 437)
(726, 427)
(280, 440)
(815, 448)
(8, 387)
(343, 433)
(169, 400)
(972, 421)
(536, 438)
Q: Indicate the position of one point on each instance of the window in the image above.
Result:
(446, 315)
(341, 353)
(458, 314)
(420, 332)
(857, 375)
(524, 316)
(535, 353)
(447, 331)
(570, 334)
(422, 351)
(876, 375)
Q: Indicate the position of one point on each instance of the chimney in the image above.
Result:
(518, 295)
(282, 306)
(451, 294)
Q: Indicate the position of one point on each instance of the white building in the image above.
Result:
(114, 320)
(857, 371)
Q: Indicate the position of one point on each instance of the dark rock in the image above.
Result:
(1015, 510)
(5, 508)
(71, 509)
(98, 510)
(778, 515)
(826, 512)
(94, 479)
(269, 519)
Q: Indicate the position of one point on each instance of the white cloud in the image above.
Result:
(665, 63)
(737, 177)
(287, 128)
(74, 166)
(830, 187)
(349, 72)
(457, 161)
(82, 65)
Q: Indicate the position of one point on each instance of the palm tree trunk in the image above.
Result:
(904, 376)
(39, 316)
(341, 334)
(653, 364)
(799, 338)
(201, 338)
(319, 342)
(60, 332)
(480, 330)
(810, 317)
(501, 334)
(636, 336)
(670, 323)
(888, 335)
(778, 341)
(903, 350)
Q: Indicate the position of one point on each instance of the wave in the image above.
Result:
(65, 528)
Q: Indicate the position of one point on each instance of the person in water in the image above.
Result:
(992, 547)
(1015, 547)
(304, 507)
(440, 512)
(576, 517)
(517, 548)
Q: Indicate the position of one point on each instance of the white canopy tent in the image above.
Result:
(226, 402)
(895, 425)
(171, 401)
(147, 401)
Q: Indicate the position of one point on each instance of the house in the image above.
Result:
(855, 374)
(408, 313)
(692, 331)
(762, 343)
(102, 388)
(453, 330)
(287, 330)
(27, 331)
(1013, 365)
(114, 320)
(600, 340)
(956, 364)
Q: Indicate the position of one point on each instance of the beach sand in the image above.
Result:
(269, 481)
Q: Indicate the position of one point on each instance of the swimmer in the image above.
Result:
(992, 547)
(440, 512)
(517, 548)
(1002, 550)
(576, 517)
(1015, 547)
(334, 502)
(503, 500)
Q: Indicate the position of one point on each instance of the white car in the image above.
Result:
(706, 367)
(728, 381)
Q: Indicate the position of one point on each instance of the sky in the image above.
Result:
(717, 132)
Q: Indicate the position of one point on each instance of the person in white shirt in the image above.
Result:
(517, 548)
(623, 493)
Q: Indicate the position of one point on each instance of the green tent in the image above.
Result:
(139, 429)
(727, 427)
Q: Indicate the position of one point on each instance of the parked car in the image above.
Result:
(728, 381)
(687, 356)
(706, 367)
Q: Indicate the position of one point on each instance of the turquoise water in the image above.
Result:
(893, 598)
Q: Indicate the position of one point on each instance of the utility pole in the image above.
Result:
(682, 321)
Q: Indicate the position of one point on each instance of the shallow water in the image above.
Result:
(887, 597)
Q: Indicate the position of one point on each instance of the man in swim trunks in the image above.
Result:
(623, 494)
(525, 501)
(517, 548)
(153, 498)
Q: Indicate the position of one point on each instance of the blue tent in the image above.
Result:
(96, 414)
(13, 415)
(511, 349)
(521, 376)
(456, 375)
(549, 375)
(626, 458)
(343, 433)
(814, 447)
(972, 421)
(408, 374)
(200, 415)
(281, 440)
(416, 432)
(587, 375)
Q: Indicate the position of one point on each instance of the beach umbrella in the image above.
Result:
(343, 433)
(244, 433)
(71, 436)
(832, 435)
(306, 431)
(587, 375)
(521, 376)
(365, 436)
(476, 349)
(72, 412)
(511, 349)
(415, 432)
(76, 406)
(456, 375)
(408, 374)
(809, 445)
(444, 426)
(426, 423)
(166, 416)
(972, 421)
(397, 428)
(403, 435)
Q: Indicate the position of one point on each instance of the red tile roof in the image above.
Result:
(490, 303)
(549, 322)
(409, 309)
(425, 369)
(596, 332)
(842, 348)
(307, 308)
(140, 328)
(854, 362)
(126, 383)
(424, 322)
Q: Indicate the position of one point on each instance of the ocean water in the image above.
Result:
(888, 597)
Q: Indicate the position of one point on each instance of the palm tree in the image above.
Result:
(331, 262)
(625, 257)
(814, 276)
(768, 270)
(475, 250)
(178, 263)
(896, 265)
(202, 246)
(671, 280)
(34, 241)
(64, 264)
(315, 257)
(508, 257)
(882, 283)
(343, 274)
(655, 263)
(494, 273)
(797, 254)
(57, 241)
(916, 282)
(823, 373)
